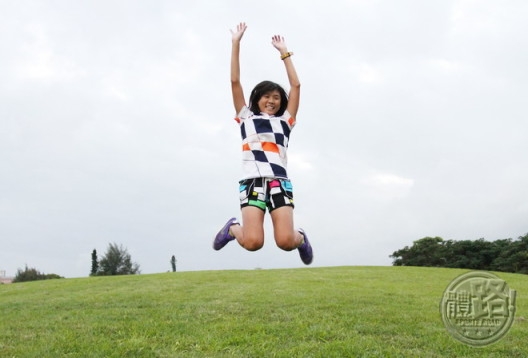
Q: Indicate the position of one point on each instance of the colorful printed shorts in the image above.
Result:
(266, 192)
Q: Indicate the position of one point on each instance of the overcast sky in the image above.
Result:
(116, 125)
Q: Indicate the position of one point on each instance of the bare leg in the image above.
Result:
(286, 237)
(251, 235)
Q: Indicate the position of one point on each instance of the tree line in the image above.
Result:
(115, 261)
(504, 255)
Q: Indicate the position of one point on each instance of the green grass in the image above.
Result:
(310, 312)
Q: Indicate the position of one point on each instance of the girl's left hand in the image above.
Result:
(278, 42)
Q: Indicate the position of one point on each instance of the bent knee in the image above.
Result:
(252, 243)
(286, 242)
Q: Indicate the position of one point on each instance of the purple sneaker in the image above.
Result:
(305, 250)
(223, 237)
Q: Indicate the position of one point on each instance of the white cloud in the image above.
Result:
(387, 185)
(444, 65)
(475, 17)
(39, 61)
(299, 162)
(367, 73)
(113, 87)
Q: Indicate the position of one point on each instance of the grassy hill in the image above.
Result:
(309, 312)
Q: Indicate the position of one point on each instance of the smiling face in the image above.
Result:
(268, 97)
(270, 102)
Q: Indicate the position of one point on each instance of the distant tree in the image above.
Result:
(429, 251)
(32, 274)
(173, 263)
(470, 254)
(117, 261)
(503, 259)
(95, 263)
(513, 257)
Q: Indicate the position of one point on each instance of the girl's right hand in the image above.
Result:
(237, 35)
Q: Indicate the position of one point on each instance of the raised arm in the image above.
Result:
(295, 86)
(236, 86)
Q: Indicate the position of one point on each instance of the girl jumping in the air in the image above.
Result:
(265, 125)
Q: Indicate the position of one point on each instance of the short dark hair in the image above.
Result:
(260, 90)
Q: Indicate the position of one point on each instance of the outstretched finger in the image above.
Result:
(277, 39)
